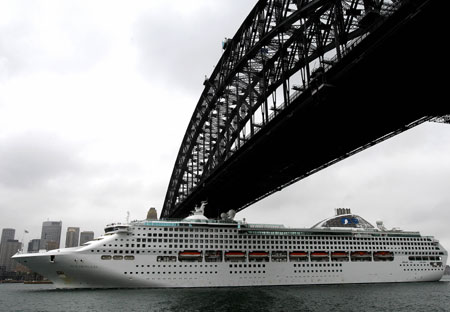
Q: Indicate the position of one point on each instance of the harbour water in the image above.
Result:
(433, 296)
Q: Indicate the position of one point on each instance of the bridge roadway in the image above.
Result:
(393, 80)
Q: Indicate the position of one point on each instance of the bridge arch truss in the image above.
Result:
(279, 54)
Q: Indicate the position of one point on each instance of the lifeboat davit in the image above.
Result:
(213, 254)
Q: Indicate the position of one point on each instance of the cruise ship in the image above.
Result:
(201, 252)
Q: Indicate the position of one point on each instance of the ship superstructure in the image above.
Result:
(198, 252)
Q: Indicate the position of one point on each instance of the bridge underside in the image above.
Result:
(379, 88)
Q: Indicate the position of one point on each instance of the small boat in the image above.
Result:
(360, 254)
(339, 254)
(298, 254)
(190, 254)
(319, 254)
(235, 254)
(258, 254)
(383, 254)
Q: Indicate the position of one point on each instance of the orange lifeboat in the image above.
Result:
(383, 254)
(235, 254)
(339, 254)
(190, 254)
(319, 255)
(360, 254)
(298, 254)
(258, 254)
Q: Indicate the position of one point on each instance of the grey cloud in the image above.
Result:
(31, 159)
(25, 47)
(180, 50)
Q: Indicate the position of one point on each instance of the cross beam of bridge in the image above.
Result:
(302, 85)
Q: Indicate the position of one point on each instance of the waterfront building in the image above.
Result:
(72, 236)
(7, 234)
(86, 236)
(9, 249)
(33, 245)
(51, 235)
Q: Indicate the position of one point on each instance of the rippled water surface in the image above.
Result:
(367, 297)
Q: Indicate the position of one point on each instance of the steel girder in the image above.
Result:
(281, 50)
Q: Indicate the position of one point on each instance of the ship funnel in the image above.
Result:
(152, 214)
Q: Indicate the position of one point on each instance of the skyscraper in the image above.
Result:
(7, 235)
(33, 245)
(72, 236)
(51, 235)
(86, 236)
(10, 248)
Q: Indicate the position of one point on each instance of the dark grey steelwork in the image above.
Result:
(280, 55)
(442, 119)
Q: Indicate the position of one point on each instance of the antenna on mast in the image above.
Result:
(128, 217)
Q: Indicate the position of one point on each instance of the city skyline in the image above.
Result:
(27, 237)
(107, 104)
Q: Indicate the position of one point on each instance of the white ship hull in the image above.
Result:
(94, 273)
(120, 259)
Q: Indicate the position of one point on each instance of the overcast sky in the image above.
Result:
(95, 97)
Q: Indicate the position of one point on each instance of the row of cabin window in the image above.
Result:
(109, 257)
(247, 265)
(250, 272)
(239, 247)
(318, 271)
(170, 272)
(270, 242)
(126, 251)
(281, 237)
(428, 269)
(418, 255)
(346, 246)
(175, 229)
(202, 230)
(307, 265)
(179, 266)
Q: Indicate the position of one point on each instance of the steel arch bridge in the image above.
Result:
(284, 54)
